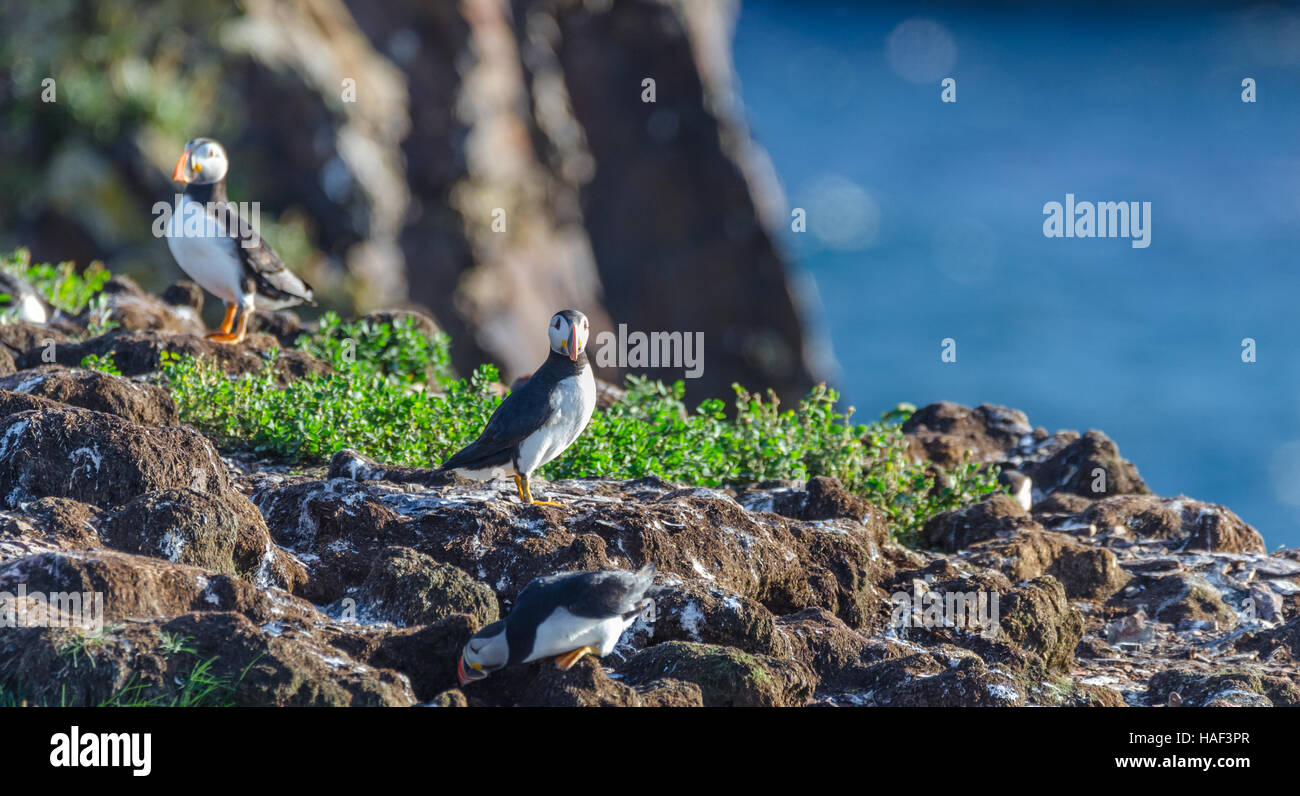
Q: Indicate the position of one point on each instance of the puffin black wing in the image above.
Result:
(268, 271)
(262, 266)
(522, 412)
(608, 593)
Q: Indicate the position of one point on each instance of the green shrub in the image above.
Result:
(372, 406)
(62, 285)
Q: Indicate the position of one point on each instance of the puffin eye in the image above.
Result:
(557, 321)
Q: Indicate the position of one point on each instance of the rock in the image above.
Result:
(586, 684)
(136, 401)
(222, 532)
(20, 337)
(409, 588)
(667, 692)
(1227, 688)
(284, 325)
(1185, 523)
(783, 564)
(1280, 643)
(1089, 466)
(427, 655)
(1182, 598)
(12, 403)
(347, 463)
(691, 612)
(136, 353)
(132, 309)
(997, 515)
(836, 652)
(424, 323)
(825, 499)
(451, 698)
(944, 677)
(1059, 503)
(100, 459)
(48, 524)
(1086, 571)
(138, 587)
(726, 676)
(945, 432)
(1039, 619)
(156, 662)
(337, 528)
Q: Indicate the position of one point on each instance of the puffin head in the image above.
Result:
(203, 161)
(486, 652)
(568, 333)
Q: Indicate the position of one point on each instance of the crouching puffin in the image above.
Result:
(536, 422)
(220, 251)
(568, 615)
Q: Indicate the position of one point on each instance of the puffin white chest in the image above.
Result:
(571, 404)
(204, 250)
(563, 632)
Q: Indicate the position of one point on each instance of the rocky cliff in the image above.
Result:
(357, 583)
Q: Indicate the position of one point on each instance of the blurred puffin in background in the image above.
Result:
(220, 251)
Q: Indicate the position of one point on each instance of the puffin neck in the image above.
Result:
(563, 364)
(207, 191)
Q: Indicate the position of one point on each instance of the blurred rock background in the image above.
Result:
(659, 215)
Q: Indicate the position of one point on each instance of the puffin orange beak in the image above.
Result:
(464, 677)
(573, 344)
(178, 174)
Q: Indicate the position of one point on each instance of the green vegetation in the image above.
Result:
(394, 399)
(61, 284)
(393, 396)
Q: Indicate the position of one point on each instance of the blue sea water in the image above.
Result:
(925, 219)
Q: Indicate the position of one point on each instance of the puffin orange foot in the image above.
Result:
(565, 662)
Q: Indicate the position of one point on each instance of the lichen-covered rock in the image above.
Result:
(219, 531)
(136, 353)
(1086, 571)
(691, 612)
(944, 677)
(139, 587)
(1090, 466)
(945, 433)
(409, 588)
(836, 652)
(726, 676)
(1183, 522)
(132, 309)
(1280, 643)
(1180, 598)
(136, 401)
(1225, 688)
(100, 459)
(1039, 618)
(47, 525)
(152, 662)
(997, 515)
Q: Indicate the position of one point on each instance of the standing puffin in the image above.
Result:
(536, 422)
(568, 615)
(220, 251)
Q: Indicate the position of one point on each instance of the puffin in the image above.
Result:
(568, 615)
(26, 302)
(220, 251)
(539, 420)
(1020, 486)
